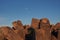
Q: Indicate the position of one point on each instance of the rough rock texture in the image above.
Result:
(57, 28)
(10, 34)
(35, 23)
(18, 28)
(17, 25)
(45, 29)
(1, 35)
(58, 34)
(40, 29)
(53, 31)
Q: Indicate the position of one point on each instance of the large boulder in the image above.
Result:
(18, 28)
(10, 34)
(44, 23)
(17, 25)
(45, 29)
(35, 23)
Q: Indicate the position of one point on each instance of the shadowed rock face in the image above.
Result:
(57, 28)
(52, 30)
(56, 32)
(31, 34)
(26, 29)
(52, 27)
(40, 29)
(54, 35)
(35, 24)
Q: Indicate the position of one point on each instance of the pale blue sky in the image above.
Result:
(25, 10)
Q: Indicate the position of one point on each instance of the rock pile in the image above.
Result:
(40, 29)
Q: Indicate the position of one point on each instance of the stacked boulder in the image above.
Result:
(40, 29)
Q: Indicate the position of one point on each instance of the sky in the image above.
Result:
(25, 10)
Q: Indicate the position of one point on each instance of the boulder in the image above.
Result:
(45, 29)
(10, 34)
(35, 23)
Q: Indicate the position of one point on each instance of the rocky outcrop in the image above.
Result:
(40, 29)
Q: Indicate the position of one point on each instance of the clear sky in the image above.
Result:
(25, 10)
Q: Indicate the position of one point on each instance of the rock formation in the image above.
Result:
(40, 29)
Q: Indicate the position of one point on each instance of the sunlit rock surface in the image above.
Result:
(39, 29)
